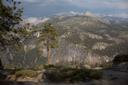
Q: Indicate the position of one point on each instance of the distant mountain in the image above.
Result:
(101, 38)
(84, 38)
(34, 20)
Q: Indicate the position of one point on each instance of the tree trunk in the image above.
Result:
(47, 54)
(1, 66)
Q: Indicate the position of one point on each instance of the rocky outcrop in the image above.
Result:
(64, 52)
(67, 52)
(120, 58)
(74, 53)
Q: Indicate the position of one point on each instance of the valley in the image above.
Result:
(86, 39)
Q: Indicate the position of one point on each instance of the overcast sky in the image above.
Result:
(39, 8)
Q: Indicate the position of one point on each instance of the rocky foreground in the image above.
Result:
(115, 75)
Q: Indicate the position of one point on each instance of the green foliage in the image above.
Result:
(95, 75)
(73, 75)
(8, 67)
(41, 67)
(68, 64)
(84, 24)
(46, 66)
(74, 40)
(65, 64)
(30, 59)
(106, 64)
(103, 65)
(24, 73)
(11, 67)
(57, 65)
(9, 17)
(49, 35)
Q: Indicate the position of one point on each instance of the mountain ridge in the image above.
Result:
(83, 39)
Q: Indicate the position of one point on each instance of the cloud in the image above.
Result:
(124, 15)
(29, 0)
(35, 21)
(49, 7)
(120, 4)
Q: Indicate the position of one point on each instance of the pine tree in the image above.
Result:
(48, 35)
(10, 16)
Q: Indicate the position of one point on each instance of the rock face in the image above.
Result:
(74, 53)
(39, 78)
(83, 39)
(67, 52)
(11, 78)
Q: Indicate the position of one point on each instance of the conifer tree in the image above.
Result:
(10, 16)
(48, 35)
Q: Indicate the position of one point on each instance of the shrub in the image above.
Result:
(56, 76)
(41, 67)
(48, 66)
(8, 67)
(66, 64)
(28, 73)
(95, 75)
(104, 65)
(73, 75)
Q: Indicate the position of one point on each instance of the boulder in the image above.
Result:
(39, 78)
(11, 78)
(120, 58)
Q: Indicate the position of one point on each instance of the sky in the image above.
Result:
(40, 8)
